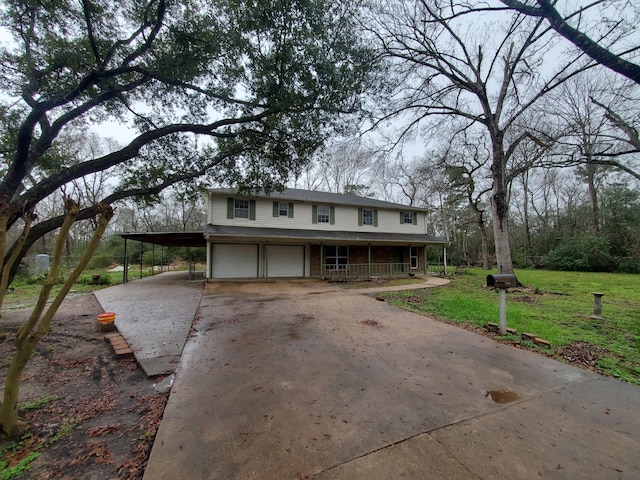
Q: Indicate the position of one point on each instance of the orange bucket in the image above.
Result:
(106, 321)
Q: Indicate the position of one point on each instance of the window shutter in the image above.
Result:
(290, 210)
(332, 215)
(252, 209)
(401, 218)
(415, 218)
(230, 205)
(276, 209)
(359, 217)
(375, 218)
(314, 214)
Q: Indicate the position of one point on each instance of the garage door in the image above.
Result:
(235, 261)
(285, 261)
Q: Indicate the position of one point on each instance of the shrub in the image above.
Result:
(587, 253)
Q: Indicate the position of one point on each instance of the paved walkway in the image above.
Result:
(154, 314)
(299, 379)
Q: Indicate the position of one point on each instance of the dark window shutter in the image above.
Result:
(415, 218)
(290, 210)
(276, 209)
(314, 214)
(230, 205)
(375, 218)
(359, 217)
(252, 209)
(332, 215)
(401, 218)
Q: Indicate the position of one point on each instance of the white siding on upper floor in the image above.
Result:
(346, 218)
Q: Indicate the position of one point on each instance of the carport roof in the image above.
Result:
(169, 239)
(246, 233)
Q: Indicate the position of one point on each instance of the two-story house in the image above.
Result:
(301, 233)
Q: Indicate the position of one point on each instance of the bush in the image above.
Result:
(629, 265)
(587, 253)
(102, 261)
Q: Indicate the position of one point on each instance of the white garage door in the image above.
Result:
(235, 261)
(285, 261)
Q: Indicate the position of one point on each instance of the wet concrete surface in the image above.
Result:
(300, 379)
(154, 314)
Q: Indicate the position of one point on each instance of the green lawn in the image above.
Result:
(553, 305)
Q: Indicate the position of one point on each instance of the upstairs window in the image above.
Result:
(241, 209)
(282, 209)
(323, 214)
(367, 216)
(409, 218)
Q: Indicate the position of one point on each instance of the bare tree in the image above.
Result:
(344, 167)
(488, 75)
(596, 49)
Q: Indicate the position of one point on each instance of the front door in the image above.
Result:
(398, 257)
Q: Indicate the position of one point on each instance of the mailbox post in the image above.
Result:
(502, 281)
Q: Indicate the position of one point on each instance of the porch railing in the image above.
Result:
(365, 270)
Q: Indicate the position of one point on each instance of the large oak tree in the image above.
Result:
(239, 91)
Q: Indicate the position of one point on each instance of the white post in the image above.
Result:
(445, 259)
(503, 311)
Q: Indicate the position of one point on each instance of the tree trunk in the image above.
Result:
(39, 323)
(593, 196)
(13, 257)
(500, 205)
(527, 228)
(486, 264)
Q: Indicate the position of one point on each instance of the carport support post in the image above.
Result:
(503, 310)
(153, 257)
(369, 260)
(125, 272)
(141, 254)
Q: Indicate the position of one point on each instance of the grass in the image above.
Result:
(553, 305)
(26, 290)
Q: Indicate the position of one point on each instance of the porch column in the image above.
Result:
(321, 256)
(369, 260)
(424, 254)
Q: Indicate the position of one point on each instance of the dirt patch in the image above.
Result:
(371, 323)
(90, 415)
(583, 353)
(524, 299)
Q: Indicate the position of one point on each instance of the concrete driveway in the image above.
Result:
(299, 379)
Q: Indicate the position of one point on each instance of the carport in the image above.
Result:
(163, 239)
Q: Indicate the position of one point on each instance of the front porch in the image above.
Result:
(335, 262)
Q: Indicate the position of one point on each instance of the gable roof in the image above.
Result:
(314, 196)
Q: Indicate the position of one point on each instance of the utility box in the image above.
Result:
(42, 263)
(502, 280)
